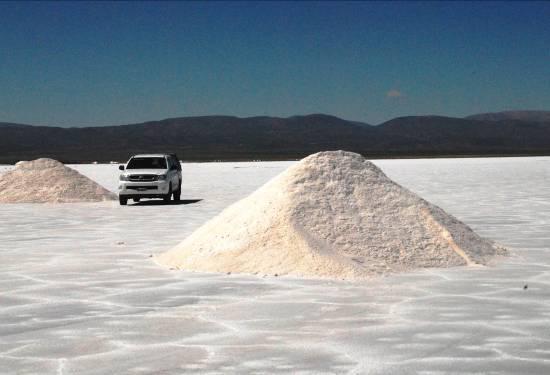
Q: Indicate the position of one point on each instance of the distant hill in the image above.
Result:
(273, 138)
(527, 116)
(456, 136)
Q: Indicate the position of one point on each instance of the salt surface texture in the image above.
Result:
(334, 215)
(47, 180)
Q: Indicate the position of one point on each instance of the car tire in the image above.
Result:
(169, 195)
(122, 201)
(177, 193)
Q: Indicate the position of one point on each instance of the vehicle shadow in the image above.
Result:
(160, 202)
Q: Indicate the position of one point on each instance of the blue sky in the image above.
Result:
(78, 64)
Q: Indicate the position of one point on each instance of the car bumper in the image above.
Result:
(155, 189)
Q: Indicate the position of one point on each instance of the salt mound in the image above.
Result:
(333, 214)
(47, 180)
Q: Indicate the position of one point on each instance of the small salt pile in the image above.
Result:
(49, 181)
(332, 215)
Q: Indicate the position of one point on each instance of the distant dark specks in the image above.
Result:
(525, 287)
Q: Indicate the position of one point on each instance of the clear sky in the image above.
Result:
(76, 64)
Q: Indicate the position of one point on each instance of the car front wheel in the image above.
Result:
(122, 201)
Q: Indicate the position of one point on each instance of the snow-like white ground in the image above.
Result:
(80, 295)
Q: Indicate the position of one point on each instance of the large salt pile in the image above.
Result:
(47, 180)
(333, 214)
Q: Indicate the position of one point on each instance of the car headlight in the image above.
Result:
(123, 177)
(161, 177)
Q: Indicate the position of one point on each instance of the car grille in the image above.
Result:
(143, 177)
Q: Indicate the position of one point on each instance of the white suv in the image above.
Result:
(150, 176)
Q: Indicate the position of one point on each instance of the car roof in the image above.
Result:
(150, 156)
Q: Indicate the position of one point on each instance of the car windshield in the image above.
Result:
(147, 163)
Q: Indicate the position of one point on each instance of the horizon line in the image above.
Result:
(277, 117)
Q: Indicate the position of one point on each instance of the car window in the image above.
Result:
(174, 162)
(147, 163)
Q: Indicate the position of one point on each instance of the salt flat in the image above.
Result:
(80, 295)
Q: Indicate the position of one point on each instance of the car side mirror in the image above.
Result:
(121, 167)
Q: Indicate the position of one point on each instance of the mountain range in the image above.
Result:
(272, 138)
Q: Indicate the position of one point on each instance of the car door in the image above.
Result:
(173, 172)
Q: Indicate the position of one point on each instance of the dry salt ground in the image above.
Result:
(49, 181)
(335, 215)
(79, 293)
